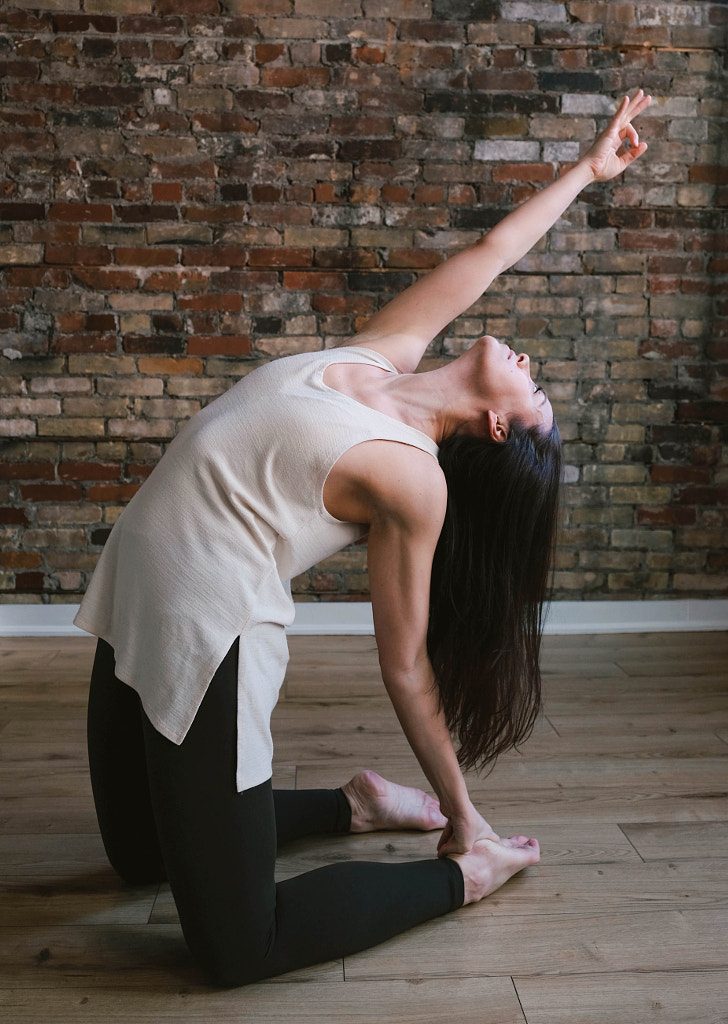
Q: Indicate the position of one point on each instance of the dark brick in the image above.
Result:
(100, 536)
(432, 31)
(466, 10)
(390, 281)
(688, 219)
(13, 517)
(337, 53)
(145, 344)
(620, 217)
(109, 96)
(569, 81)
(234, 193)
(267, 324)
(370, 149)
(106, 117)
(29, 582)
(483, 219)
(143, 213)
(80, 23)
(22, 211)
(99, 49)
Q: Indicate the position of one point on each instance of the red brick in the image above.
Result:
(83, 343)
(431, 194)
(313, 280)
(103, 279)
(166, 191)
(395, 193)
(709, 174)
(146, 257)
(266, 53)
(697, 495)
(214, 255)
(370, 54)
(291, 78)
(523, 172)
(50, 492)
(156, 366)
(360, 305)
(142, 470)
(20, 559)
(280, 257)
(650, 240)
(112, 492)
(89, 470)
(81, 213)
(418, 259)
(27, 471)
(669, 516)
(35, 92)
(680, 474)
(218, 345)
(84, 255)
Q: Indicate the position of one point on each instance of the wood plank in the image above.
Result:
(51, 856)
(685, 841)
(686, 997)
(40, 814)
(149, 957)
(560, 844)
(463, 944)
(309, 1002)
(573, 736)
(594, 790)
(90, 899)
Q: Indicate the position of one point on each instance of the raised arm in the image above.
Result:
(404, 328)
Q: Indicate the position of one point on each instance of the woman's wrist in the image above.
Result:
(584, 169)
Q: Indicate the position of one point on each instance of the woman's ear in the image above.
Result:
(497, 427)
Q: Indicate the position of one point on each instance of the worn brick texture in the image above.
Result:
(191, 187)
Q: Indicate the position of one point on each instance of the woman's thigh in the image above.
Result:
(118, 769)
(219, 846)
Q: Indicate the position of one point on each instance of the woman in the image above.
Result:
(190, 603)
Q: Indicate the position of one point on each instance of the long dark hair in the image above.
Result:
(490, 577)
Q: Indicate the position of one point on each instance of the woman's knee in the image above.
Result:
(235, 965)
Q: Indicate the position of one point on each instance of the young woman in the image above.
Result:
(190, 602)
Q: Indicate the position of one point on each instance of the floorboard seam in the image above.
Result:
(630, 841)
(515, 989)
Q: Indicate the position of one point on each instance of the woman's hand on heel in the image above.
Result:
(462, 832)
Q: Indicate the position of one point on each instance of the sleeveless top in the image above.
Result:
(205, 550)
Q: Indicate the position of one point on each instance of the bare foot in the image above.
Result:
(377, 804)
(490, 863)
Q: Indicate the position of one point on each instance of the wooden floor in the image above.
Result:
(625, 783)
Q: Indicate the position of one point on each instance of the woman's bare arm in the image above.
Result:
(404, 328)
(406, 496)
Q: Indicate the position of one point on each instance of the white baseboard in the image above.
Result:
(341, 619)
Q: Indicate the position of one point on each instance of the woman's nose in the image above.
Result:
(523, 360)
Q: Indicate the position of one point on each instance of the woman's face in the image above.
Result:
(509, 388)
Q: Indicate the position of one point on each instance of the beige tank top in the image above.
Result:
(205, 550)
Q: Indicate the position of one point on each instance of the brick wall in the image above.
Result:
(190, 187)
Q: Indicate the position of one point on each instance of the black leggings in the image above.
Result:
(169, 812)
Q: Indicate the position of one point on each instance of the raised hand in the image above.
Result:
(609, 155)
